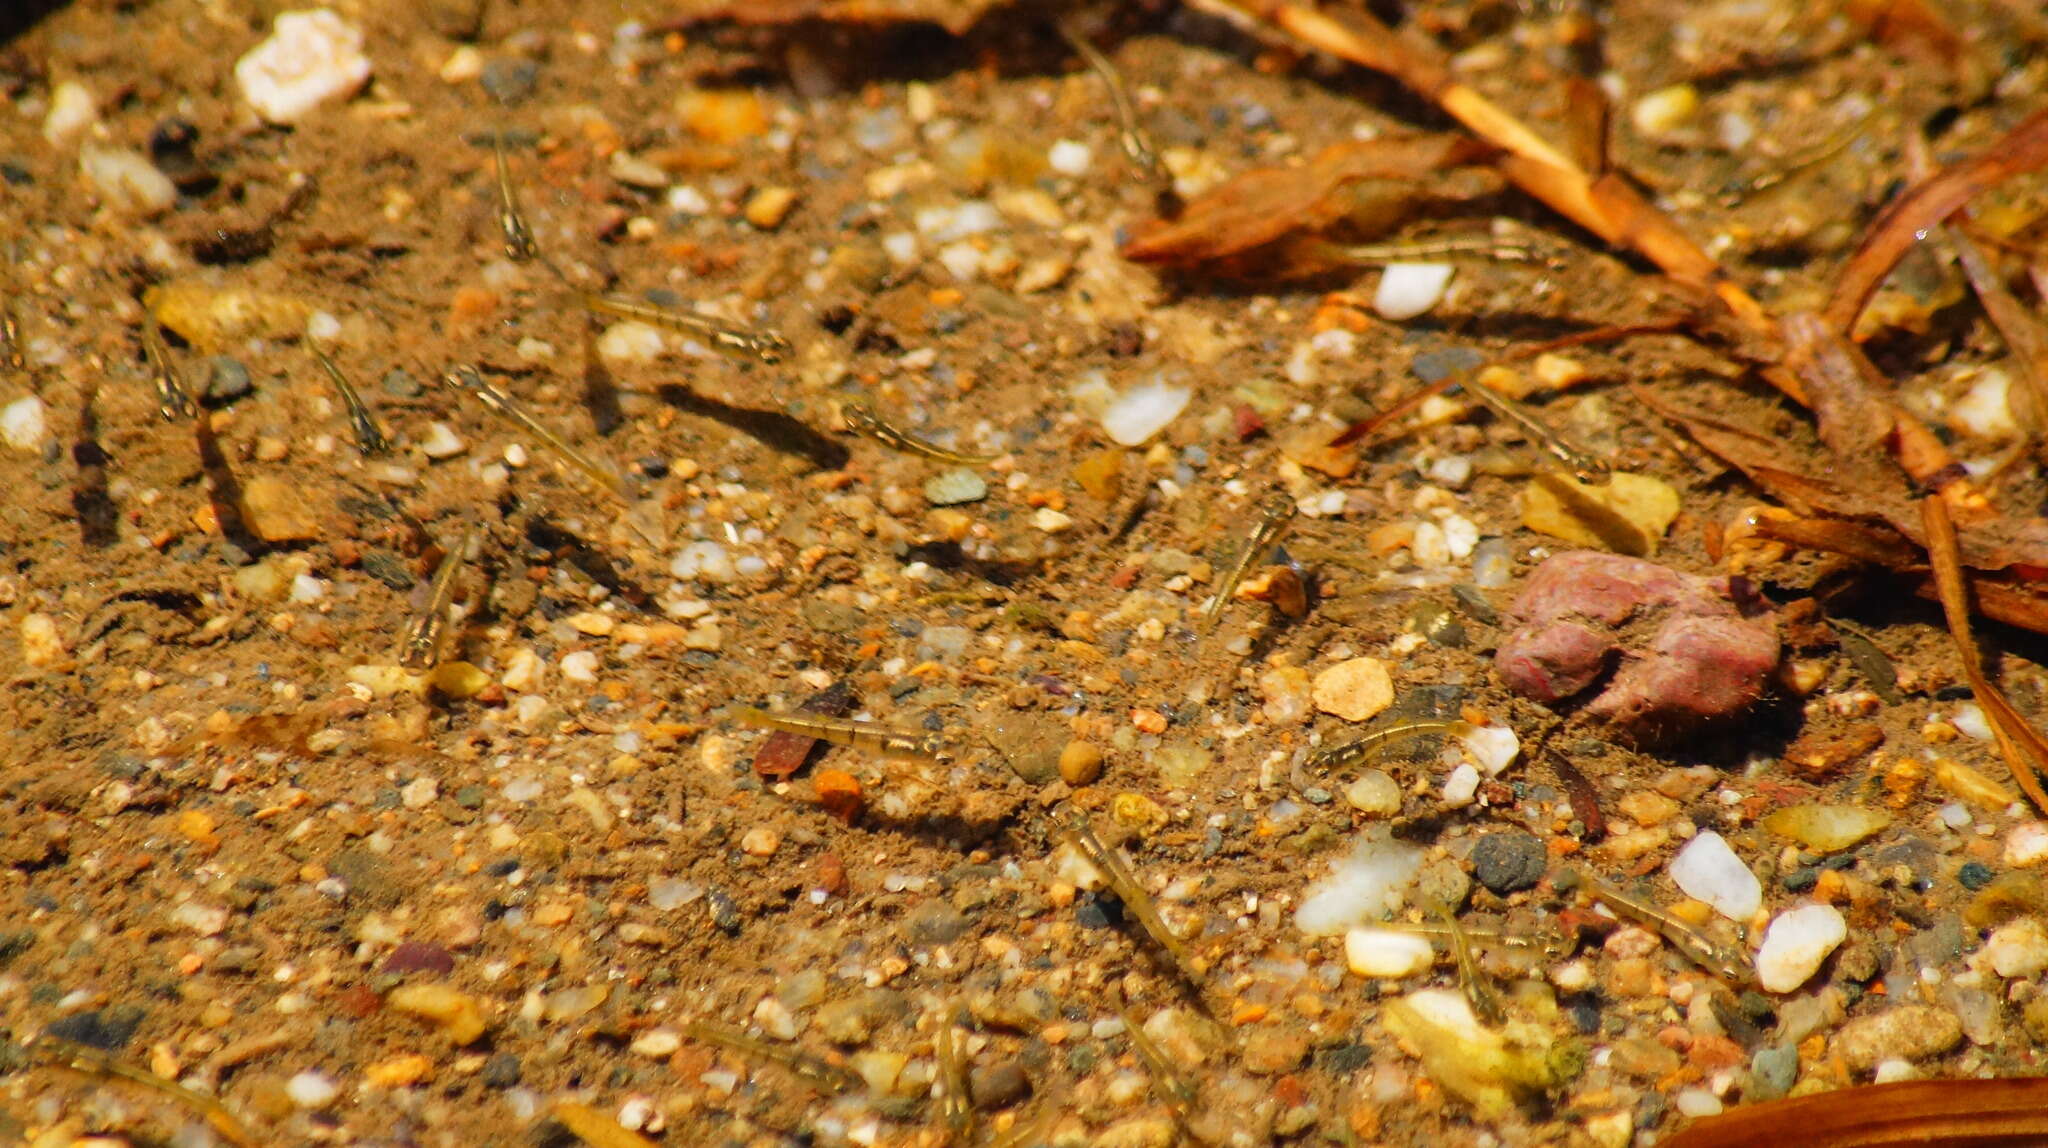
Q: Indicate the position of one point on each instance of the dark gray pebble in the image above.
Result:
(1508, 861)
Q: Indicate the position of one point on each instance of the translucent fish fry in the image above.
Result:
(860, 417)
(1356, 751)
(520, 246)
(813, 1070)
(746, 342)
(10, 336)
(1131, 134)
(1478, 990)
(1275, 512)
(466, 378)
(954, 1103)
(368, 437)
(866, 736)
(1124, 884)
(173, 401)
(85, 1060)
(1172, 1088)
(1583, 464)
(420, 646)
(1696, 946)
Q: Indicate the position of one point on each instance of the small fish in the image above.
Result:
(1124, 883)
(1547, 945)
(1870, 660)
(1345, 755)
(173, 401)
(1174, 1090)
(1275, 512)
(815, 1070)
(1697, 947)
(70, 1056)
(368, 437)
(954, 1103)
(466, 378)
(1583, 464)
(520, 246)
(861, 418)
(1497, 250)
(419, 648)
(748, 342)
(1478, 989)
(10, 336)
(866, 736)
(1131, 134)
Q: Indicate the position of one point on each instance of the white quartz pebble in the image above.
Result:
(311, 57)
(1387, 952)
(1708, 870)
(1407, 290)
(1143, 410)
(1795, 945)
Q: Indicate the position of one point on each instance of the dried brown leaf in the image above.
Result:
(955, 16)
(1261, 208)
(1920, 1113)
(1924, 207)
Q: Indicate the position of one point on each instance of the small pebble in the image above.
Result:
(1407, 290)
(1796, 943)
(998, 1085)
(580, 666)
(442, 442)
(657, 1043)
(312, 1090)
(1080, 763)
(126, 181)
(768, 207)
(72, 110)
(954, 487)
(1387, 953)
(630, 342)
(1354, 690)
(1143, 410)
(226, 379)
(1910, 1032)
(1509, 860)
(1708, 870)
(399, 384)
(1461, 787)
(510, 82)
(311, 57)
(1069, 157)
(760, 841)
(41, 644)
(24, 423)
(1666, 109)
(1374, 794)
(460, 1018)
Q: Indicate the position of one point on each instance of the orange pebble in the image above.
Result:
(838, 794)
(473, 303)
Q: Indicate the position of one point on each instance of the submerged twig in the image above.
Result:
(2026, 751)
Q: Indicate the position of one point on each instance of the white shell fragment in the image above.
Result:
(1144, 410)
(311, 57)
(1410, 289)
(1708, 870)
